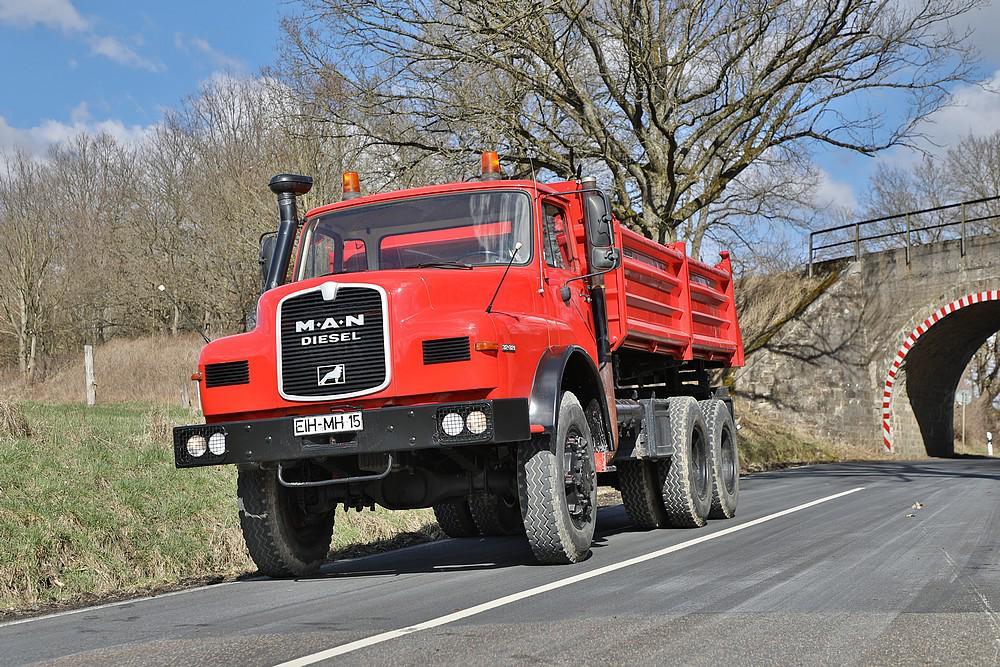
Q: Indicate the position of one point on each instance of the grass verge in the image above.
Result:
(767, 445)
(91, 507)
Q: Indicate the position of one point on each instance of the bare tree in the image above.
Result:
(27, 246)
(672, 102)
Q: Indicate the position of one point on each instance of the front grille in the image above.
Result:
(227, 373)
(442, 350)
(346, 348)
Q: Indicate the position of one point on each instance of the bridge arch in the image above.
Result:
(934, 355)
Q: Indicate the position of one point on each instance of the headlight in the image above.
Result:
(452, 424)
(196, 445)
(476, 422)
(217, 443)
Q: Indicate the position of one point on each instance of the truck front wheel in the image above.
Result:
(496, 515)
(455, 519)
(283, 539)
(557, 485)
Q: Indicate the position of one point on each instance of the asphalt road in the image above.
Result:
(823, 565)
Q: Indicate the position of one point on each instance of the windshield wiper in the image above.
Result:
(442, 264)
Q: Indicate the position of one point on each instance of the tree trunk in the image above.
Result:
(32, 349)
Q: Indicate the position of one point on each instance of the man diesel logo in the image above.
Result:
(335, 374)
(329, 323)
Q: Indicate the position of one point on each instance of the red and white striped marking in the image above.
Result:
(909, 341)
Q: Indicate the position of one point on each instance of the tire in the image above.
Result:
(455, 519)
(639, 484)
(496, 515)
(283, 540)
(724, 458)
(685, 480)
(559, 506)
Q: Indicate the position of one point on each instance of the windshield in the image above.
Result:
(447, 231)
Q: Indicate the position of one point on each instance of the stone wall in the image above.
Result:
(825, 370)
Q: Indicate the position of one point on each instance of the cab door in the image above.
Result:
(570, 317)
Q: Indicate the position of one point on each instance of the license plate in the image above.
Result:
(343, 422)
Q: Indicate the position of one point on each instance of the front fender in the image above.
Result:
(551, 379)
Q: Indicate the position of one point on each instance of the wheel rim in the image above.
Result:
(699, 462)
(578, 478)
(729, 472)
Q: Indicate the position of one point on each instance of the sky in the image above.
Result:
(115, 65)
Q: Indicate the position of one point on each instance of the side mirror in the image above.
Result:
(602, 253)
(267, 243)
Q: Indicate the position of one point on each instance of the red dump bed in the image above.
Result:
(663, 301)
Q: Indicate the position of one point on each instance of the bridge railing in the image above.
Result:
(906, 230)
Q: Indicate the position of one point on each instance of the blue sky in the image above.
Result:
(84, 65)
(117, 64)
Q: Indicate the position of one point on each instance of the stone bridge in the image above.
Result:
(876, 358)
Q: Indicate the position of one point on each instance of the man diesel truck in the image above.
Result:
(492, 349)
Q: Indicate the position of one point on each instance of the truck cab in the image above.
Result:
(466, 347)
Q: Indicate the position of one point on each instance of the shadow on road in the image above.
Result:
(467, 554)
(980, 467)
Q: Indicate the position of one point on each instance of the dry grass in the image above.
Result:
(143, 370)
(767, 444)
(766, 302)
(13, 423)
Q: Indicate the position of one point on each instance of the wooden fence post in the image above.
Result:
(88, 372)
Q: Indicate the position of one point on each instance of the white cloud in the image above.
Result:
(201, 47)
(56, 14)
(833, 194)
(113, 49)
(981, 23)
(80, 113)
(974, 109)
(36, 140)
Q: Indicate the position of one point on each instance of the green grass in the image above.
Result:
(91, 505)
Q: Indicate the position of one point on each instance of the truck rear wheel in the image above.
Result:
(639, 484)
(724, 458)
(557, 485)
(685, 478)
(283, 539)
(455, 519)
(496, 515)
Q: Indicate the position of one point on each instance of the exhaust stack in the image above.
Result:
(286, 187)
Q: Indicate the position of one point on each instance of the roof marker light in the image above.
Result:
(490, 166)
(352, 185)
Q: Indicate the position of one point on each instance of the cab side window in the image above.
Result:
(556, 236)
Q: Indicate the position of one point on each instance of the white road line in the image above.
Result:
(545, 588)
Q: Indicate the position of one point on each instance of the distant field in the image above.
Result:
(91, 505)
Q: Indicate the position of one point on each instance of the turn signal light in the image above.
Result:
(487, 346)
(352, 185)
(490, 166)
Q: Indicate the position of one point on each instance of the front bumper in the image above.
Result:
(392, 429)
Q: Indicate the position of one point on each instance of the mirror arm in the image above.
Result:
(588, 275)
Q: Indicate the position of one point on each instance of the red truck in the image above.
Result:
(493, 349)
